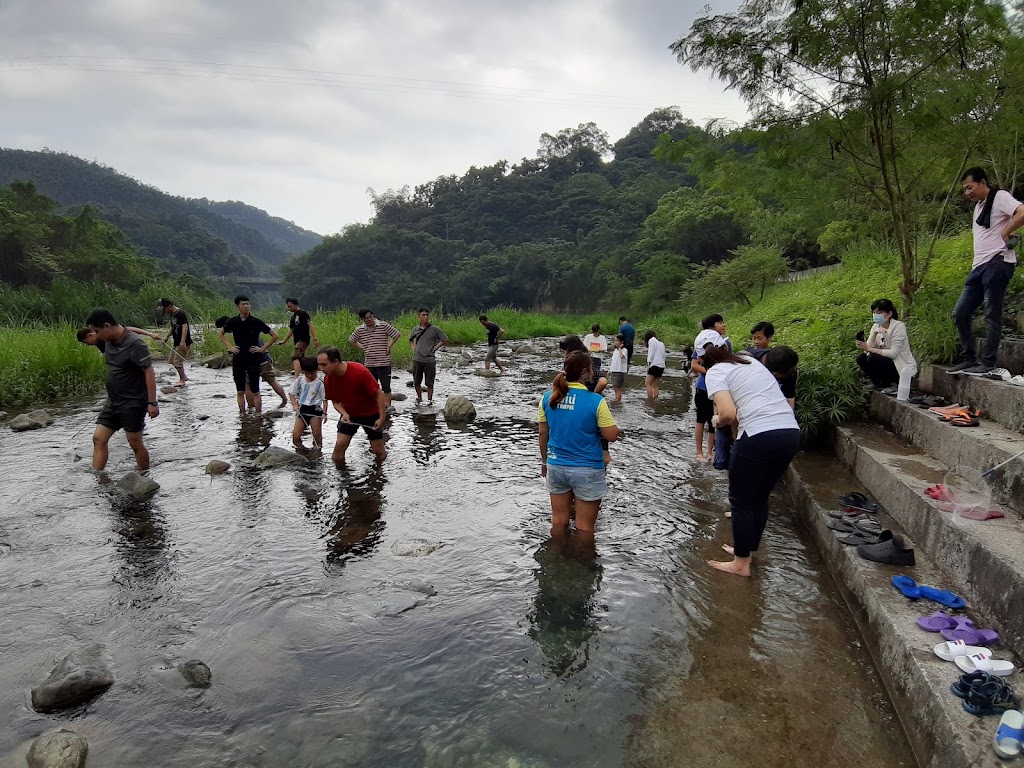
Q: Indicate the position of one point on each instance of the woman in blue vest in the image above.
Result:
(572, 423)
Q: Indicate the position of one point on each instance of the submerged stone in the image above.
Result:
(33, 420)
(399, 396)
(138, 485)
(459, 409)
(415, 547)
(487, 373)
(168, 390)
(196, 673)
(81, 675)
(60, 749)
(217, 467)
(275, 456)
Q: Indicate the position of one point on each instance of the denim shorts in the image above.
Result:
(586, 483)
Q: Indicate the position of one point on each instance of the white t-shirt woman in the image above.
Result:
(760, 404)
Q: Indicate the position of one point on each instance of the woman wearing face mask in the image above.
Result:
(886, 355)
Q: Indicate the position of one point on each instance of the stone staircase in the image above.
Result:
(893, 459)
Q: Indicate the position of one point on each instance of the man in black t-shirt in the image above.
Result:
(180, 335)
(493, 332)
(300, 327)
(131, 387)
(247, 350)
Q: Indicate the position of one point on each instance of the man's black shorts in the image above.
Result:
(629, 354)
(355, 422)
(246, 369)
(656, 371)
(382, 373)
(421, 371)
(705, 408)
(130, 418)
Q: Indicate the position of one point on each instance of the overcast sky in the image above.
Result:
(298, 107)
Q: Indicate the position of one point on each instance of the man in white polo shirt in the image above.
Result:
(376, 338)
(997, 215)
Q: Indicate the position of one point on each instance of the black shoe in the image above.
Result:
(961, 367)
(891, 391)
(977, 370)
(890, 550)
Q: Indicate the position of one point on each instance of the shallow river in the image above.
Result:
(532, 652)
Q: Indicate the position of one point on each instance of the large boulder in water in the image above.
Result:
(81, 675)
(215, 361)
(59, 749)
(399, 396)
(196, 673)
(139, 486)
(217, 467)
(33, 420)
(459, 409)
(275, 456)
(3, 415)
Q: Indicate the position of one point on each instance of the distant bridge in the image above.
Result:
(270, 282)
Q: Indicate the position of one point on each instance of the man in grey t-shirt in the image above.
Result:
(131, 388)
(425, 339)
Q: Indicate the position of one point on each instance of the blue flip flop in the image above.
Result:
(912, 591)
(907, 586)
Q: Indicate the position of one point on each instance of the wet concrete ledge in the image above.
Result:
(980, 447)
(984, 560)
(940, 732)
(1004, 402)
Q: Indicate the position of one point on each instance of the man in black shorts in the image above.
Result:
(358, 398)
(300, 327)
(131, 388)
(376, 338)
(247, 350)
(425, 339)
(180, 336)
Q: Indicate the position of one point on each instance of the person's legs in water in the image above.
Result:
(178, 363)
(252, 375)
(238, 374)
(561, 510)
(417, 380)
(995, 281)
(269, 375)
(100, 446)
(298, 428)
(757, 465)
(377, 449)
(429, 372)
(970, 299)
(586, 515)
(141, 453)
(340, 447)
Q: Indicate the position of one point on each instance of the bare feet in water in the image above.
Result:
(738, 565)
(728, 548)
(701, 457)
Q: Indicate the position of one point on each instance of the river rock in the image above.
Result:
(415, 547)
(215, 361)
(196, 673)
(202, 416)
(138, 485)
(459, 409)
(399, 396)
(32, 420)
(168, 390)
(59, 749)
(410, 384)
(219, 397)
(487, 373)
(277, 414)
(419, 586)
(217, 467)
(466, 356)
(81, 675)
(3, 415)
(525, 349)
(275, 456)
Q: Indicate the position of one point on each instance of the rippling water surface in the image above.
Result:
(533, 652)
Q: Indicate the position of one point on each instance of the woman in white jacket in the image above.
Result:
(886, 355)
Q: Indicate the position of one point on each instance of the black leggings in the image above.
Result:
(757, 464)
(881, 370)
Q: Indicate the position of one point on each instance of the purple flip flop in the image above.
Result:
(971, 635)
(941, 620)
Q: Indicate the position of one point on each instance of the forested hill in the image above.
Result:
(586, 223)
(196, 236)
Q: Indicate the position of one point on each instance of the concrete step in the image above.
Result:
(940, 732)
(983, 559)
(979, 447)
(1011, 355)
(1003, 402)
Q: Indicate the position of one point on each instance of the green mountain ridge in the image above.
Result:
(199, 236)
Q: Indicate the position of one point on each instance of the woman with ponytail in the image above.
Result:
(747, 394)
(572, 423)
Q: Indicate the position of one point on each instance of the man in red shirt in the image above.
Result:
(358, 398)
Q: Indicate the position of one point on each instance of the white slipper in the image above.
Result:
(949, 651)
(1008, 736)
(980, 663)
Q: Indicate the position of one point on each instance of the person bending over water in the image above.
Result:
(572, 423)
(769, 437)
(358, 398)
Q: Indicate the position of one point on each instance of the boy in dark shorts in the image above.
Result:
(300, 328)
(358, 398)
(247, 350)
(131, 387)
(308, 396)
(180, 336)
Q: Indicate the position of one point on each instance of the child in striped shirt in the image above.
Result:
(307, 395)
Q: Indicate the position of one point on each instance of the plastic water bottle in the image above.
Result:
(903, 392)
